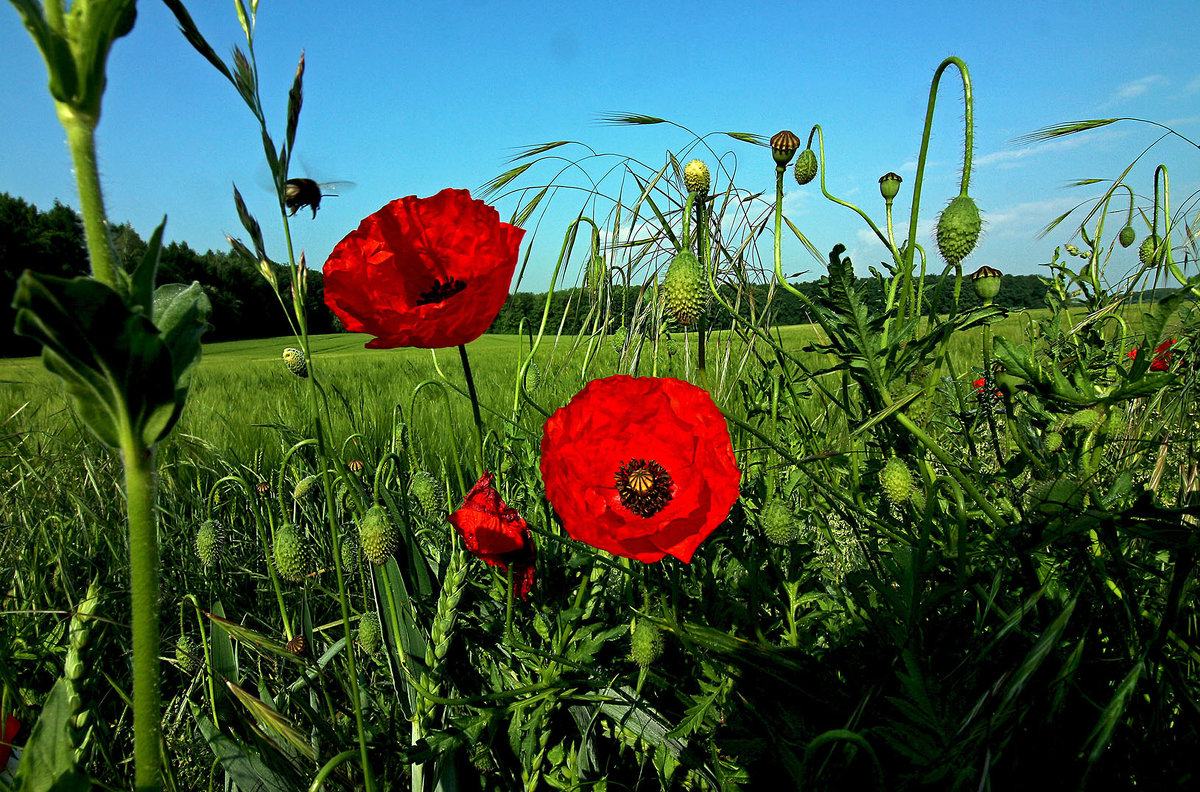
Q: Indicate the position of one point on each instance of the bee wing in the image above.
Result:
(335, 188)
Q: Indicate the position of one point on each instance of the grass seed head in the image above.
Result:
(958, 229)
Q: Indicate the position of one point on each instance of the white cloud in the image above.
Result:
(1133, 89)
(1193, 86)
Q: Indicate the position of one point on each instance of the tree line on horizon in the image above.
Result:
(244, 306)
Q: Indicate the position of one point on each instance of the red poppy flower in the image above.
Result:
(7, 735)
(494, 532)
(1162, 355)
(981, 383)
(423, 272)
(640, 466)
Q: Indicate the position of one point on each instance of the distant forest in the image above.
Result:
(52, 242)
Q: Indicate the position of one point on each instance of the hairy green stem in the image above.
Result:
(81, 139)
(144, 590)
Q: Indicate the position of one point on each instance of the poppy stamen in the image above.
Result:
(442, 290)
(644, 487)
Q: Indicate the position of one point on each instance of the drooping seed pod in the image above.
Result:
(291, 553)
(958, 229)
(210, 541)
(370, 633)
(378, 535)
(304, 486)
(429, 495)
(779, 522)
(806, 167)
(683, 288)
(1149, 252)
(187, 655)
(1127, 236)
(645, 643)
(351, 554)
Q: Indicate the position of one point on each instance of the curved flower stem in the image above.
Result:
(466, 364)
(144, 592)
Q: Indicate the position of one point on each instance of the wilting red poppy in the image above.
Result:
(493, 531)
(423, 272)
(640, 466)
(1162, 355)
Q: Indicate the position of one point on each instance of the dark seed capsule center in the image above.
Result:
(644, 487)
(442, 290)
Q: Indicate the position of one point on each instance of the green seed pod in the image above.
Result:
(370, 633)
(377, 535)
(1127, 236)
(1055, 497)
(1053, 442)
(683, 288)
(696, 177)
(1116, 422)
(294, 360)
(889, 185)
(645, 643)
(779, 522)
(210, 541)
(304, 486)
(1085, 420)
(351, 554)
(986, 282)
(425, 490)
(188, 654)
(806, 167)
(958, 229)
(1148, 253)
(783, 146)
(291, 553)
(533, 376)
(896, 481)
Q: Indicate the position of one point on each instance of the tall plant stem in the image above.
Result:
(81, 139)
(144, 591)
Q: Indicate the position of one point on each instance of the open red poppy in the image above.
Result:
(1162, 355)
(494, 531)
(640, 466)
(423, 272)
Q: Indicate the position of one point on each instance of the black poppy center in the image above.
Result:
(442, 290)
(644, 487)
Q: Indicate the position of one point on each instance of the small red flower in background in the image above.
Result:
(641, 467)
(494, 532)
(981, 383)
(7, 735)
(1162, 355)
(423, 272)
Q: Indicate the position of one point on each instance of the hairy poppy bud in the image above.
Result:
(645, 643)
(291, 553)
(370, 633)
(294, 360)
(1127, 236)
(896, 481)
(958, 229)
(210, 539)
(683, 288)
(806, 167)
(377, 535)
(696, 177)
(779, 522)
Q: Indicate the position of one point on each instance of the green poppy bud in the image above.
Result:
(696, 177)
(958, 229)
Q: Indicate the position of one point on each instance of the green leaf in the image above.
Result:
(246, 769)
(146, 273)
(60, 63)
(48, 763)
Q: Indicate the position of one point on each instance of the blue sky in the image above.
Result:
(409, 98)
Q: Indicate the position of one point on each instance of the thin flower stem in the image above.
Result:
(144, 593)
